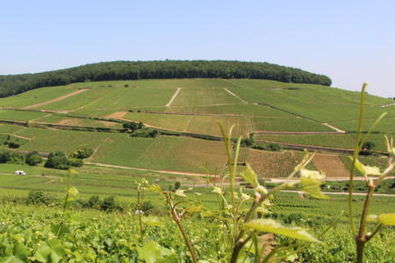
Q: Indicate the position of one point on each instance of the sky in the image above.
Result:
(351, 41)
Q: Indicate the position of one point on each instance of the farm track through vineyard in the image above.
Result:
(56, 99)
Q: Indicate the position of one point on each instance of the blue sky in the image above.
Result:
(352, 41)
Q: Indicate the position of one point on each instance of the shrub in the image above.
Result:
(247, 142)
(75, 162)
(146, 206)
(57, 160)
(83, 152)
(39, 197)
(145, 133)
(109, 205)
(132, 125)
(367, 148)
(93, 202)
(33, 158)
(274, 147)
(13, 145)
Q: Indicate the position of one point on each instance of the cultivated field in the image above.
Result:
(276, 112)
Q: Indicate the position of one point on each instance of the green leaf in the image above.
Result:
(11, 259)
(151, 252)
(271, 226)
(310, 183)
(42, 254)
(59, 229)
(152, 221)
(250, 176)
(21, 251)
(387, 219)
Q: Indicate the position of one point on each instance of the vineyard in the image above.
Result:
(159, 186)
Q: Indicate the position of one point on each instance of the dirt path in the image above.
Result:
(18, 136)
(387, 105)
(151, 170)
(56, 99)
(331, 165)
(333, 128)
(234, 95)
(341, 193)
(173, 97)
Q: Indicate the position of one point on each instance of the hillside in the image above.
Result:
(127, 70)
(180, 146)
(186, 111)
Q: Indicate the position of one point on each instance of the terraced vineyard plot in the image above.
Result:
(11, 115)
(9, 129)
(208, 96)
(37, 96)
(309, 100)
(163, 153)
(273, 164)
(195, 124)
(331, 165)
(288, 124)
(386, 125)
(89, 180)
(250, 110)
(64, 120)
(330, 140)
(49, 140)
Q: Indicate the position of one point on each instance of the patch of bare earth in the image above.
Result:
(56, 99)
(116, 115)
(331, 165)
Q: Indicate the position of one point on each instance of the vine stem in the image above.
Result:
(362, 238)
(177, 219)
(354, 159)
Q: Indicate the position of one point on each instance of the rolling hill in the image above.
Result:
(186, 111)
(129, 70)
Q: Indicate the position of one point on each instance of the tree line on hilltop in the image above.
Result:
(168, 69)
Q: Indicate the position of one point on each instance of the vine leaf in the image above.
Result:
(151, 252)
(311, 181)
(271, 226)
(250, 176)
(366, 169)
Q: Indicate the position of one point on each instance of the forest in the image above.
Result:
(168, 69)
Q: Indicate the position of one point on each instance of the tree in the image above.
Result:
(33, 158)
(57, 160)
(11, 157)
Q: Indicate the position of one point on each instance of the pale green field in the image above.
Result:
(195, 124)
